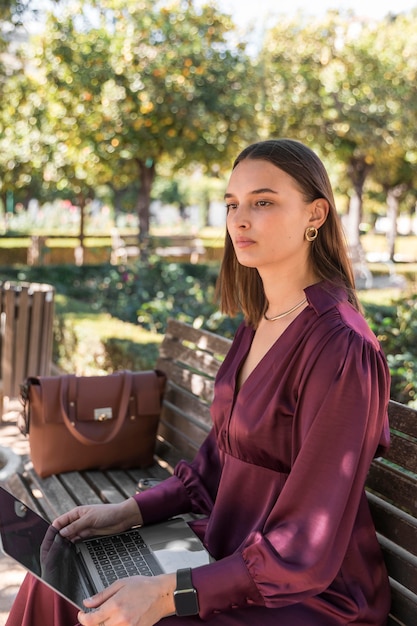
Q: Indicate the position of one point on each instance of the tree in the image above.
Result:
(326, 84)
(134, 83)
(21, 158)
(395, 167)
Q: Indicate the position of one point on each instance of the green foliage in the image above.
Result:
(396, 328)
(127, 354)
(148, 294)
(145, 293)
(65, 344)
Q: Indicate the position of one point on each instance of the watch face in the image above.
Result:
(186, 602)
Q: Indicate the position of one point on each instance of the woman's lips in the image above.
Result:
(243, 242)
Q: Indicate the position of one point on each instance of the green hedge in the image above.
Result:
(396, 328)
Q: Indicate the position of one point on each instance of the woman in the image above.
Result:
(299, 412)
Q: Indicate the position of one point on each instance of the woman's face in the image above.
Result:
(267, 216)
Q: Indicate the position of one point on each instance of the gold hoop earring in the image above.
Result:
(311, 233)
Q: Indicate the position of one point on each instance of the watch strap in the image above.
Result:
(184, 579)
(185, 595)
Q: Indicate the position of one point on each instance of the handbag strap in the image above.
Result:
(69, 390)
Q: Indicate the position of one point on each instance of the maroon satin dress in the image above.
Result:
(280, 482)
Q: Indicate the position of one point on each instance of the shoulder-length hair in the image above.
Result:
(240, 288)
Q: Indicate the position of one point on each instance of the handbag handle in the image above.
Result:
(68, 387)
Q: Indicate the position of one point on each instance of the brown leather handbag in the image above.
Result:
(92, 422)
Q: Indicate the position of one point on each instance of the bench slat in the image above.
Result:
(403, 605)
(154, 471)
(194, 382)
(188, 356)
(180, 438)
(179, 401)
(167, 456)
(55, 500)
(393, 485)
(203, 339)
(103, 488)
(34, 351)
(403, 452)
(76, 485)
(401, 565)
(403, 418)
(392, 522)
(124, 483)
(22, 325)
(9, 298)
(19, 487)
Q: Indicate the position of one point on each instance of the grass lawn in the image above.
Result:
(85, 340)
(405, 246)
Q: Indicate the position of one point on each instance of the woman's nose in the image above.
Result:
(239, 218)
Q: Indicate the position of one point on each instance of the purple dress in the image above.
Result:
(280, 478)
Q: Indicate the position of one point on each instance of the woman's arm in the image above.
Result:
(192, 488)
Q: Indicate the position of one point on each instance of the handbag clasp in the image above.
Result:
(102, 415)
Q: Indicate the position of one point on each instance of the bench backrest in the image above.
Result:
(191, 357)
(392, 494)
(27, 311)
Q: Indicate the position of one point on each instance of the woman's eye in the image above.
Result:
(231, 206)
(263, 203)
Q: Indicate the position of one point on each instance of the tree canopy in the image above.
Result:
(113, 92)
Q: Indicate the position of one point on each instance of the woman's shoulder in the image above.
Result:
(332, 307)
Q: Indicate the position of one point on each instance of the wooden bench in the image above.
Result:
(178, 247)
(190, 358)
(26, 314)
(122, 250)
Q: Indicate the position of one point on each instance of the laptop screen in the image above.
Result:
(37, 546)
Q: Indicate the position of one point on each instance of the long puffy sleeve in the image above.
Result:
(192, 488)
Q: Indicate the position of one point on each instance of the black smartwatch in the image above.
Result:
(185, 595)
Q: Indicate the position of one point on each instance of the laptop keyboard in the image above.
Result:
(120, 556)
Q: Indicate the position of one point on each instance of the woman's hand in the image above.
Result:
(134, 601)
(98, 519)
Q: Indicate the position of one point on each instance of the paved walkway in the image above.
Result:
(11, 574)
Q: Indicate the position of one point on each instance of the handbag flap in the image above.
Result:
(96, 398)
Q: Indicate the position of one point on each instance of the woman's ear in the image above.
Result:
(319, 212)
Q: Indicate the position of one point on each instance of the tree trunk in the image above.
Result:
(146, 176)
(355, 217)
(358, 170)
(79, 250)
(393, 202)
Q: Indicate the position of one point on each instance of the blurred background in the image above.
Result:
(119, 123)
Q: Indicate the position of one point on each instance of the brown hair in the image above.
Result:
(240, 288)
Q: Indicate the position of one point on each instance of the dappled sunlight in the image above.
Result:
(348, 465)
(197, 385)
(320, 523)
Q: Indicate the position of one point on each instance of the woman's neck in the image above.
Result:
(282, 294)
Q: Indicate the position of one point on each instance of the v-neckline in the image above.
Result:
(281, 337)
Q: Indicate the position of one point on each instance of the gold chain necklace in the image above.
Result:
(278, 317)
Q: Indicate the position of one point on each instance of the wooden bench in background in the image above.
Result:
(190, 358)
(26, 322)
(179, 247)
(176, 248)
(122, 250)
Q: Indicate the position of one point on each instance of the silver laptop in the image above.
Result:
(78, 570)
